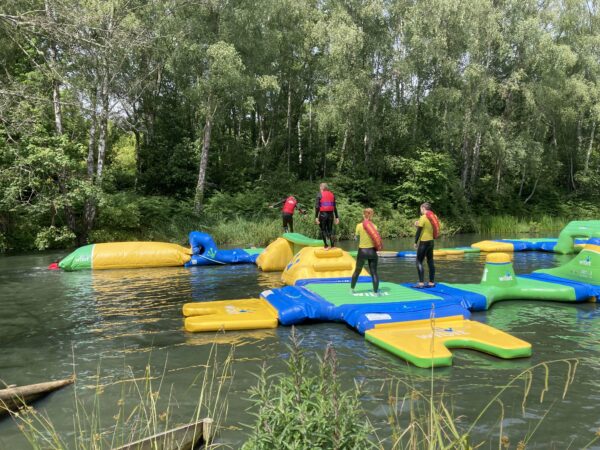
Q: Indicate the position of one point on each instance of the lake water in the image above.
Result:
(105, 324)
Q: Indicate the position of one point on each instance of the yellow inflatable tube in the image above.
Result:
(126, 255)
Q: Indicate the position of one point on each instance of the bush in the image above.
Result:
(54, 237)
(303, 409)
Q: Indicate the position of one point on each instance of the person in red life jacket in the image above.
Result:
(325, 213)
(428, 228)
(368, 244)
(290, 204)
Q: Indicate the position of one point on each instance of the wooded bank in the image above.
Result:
(120, 113)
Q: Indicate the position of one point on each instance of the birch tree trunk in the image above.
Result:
(199, 198)
(588, 155)
(103, 122)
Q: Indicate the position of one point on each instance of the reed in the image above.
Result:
(147, 406)
(510, 225)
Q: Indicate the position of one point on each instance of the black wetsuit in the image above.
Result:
(325, 221)
(363, 255)
(424, 250)
(288, 222)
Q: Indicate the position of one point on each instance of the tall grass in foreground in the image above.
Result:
(307, 408)
(145, 408)
(507, 225)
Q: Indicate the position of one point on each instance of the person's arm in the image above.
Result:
(418, 234)
(277, 204)
(317, 206)
(335, 213)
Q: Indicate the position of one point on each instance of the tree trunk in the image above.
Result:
(299, 144)
(103, 122)
(57, 106)
(588, 155)
(533, 190)
(289, 126)
(199, 198)
(343, 152)
(92, 138)
(475, 159)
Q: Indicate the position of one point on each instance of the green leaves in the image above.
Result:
(307, 407)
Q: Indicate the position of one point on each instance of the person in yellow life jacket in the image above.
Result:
(326, 213)
(369, 239)
(427, 230)
(289, 205)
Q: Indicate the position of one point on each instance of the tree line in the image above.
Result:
(474, 105)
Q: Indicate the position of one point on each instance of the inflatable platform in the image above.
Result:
(137, 255)
(280, 252)
(400, 318)
(457, 251)
(426, 343)
(316, 263)
(571, 239)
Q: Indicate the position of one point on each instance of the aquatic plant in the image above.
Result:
(307, 409)
(425, 420)
(509, 225)
(146, 407)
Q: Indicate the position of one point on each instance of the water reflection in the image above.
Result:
(113, 320)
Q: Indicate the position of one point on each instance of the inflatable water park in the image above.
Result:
(418, 325)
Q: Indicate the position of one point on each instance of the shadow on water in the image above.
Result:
(107, 320)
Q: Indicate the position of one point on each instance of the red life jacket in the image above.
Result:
(289, 205)
(327, 202)
(435, 223)
(373, 234)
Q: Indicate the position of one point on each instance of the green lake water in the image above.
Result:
(103, 324)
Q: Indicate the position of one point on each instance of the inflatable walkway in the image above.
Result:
(137, 255)
(571, 239)
(418, 325)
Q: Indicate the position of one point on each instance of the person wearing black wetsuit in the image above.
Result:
(424, 245)
(326, 213)
(287, 212)
(366, 253)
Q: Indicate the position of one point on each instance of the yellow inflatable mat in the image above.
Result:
(425, 343)
(245, 314)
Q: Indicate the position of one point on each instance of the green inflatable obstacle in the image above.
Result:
(584, 268)
(588, 229)
(499, 282)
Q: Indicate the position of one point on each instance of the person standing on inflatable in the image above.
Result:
(368, 245)
(428, 229)
(325, 211)
(287, 212)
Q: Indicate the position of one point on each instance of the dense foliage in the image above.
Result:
(305, 408)
(127, 118)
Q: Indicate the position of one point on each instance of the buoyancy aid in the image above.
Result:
(289, 205)
(370, 229)
(435, 223)
(327, 202)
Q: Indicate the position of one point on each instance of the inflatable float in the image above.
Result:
(280, 252)
(137, 255)
(418, 325)
(570, 240)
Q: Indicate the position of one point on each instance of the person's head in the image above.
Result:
(323, 187)
(425, 207)
(368, 213)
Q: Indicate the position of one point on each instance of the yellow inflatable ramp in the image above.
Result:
(246, 314)
(311, 262)
(425, 343)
